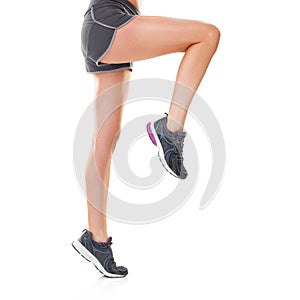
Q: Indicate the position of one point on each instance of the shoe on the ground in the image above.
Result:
(170, 146)
(100, 254)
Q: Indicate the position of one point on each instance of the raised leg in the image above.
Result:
(150, 36)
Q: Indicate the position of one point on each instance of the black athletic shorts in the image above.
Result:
(101, 21)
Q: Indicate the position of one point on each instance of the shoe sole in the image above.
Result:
(155, 140)
(91, 258)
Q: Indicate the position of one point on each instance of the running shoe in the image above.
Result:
(100, 254)
(170, 146)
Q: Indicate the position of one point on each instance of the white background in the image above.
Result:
(245, 245)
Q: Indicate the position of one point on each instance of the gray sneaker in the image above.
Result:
(170, 146)
(100, 254)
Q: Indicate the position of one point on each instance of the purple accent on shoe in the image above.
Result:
(150, 133)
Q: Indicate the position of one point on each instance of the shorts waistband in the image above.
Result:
(124, 2)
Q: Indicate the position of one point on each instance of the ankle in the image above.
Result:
(98, 236)
(172, 125)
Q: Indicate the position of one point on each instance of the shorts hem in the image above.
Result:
(129, 20)
(113, 70)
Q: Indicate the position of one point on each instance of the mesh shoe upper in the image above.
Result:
(172, 144)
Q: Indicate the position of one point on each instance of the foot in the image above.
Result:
(170, 146)
(100, 254)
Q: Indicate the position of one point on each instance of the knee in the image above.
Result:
(212, 36)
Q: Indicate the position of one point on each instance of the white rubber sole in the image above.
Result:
(160, 150)
(91, 258)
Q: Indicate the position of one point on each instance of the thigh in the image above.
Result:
(111, 90)
(150, 36)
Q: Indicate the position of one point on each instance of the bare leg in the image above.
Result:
(98, 166)
(149, 37)
(152, 36)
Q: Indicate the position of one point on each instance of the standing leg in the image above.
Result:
(108, 115)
